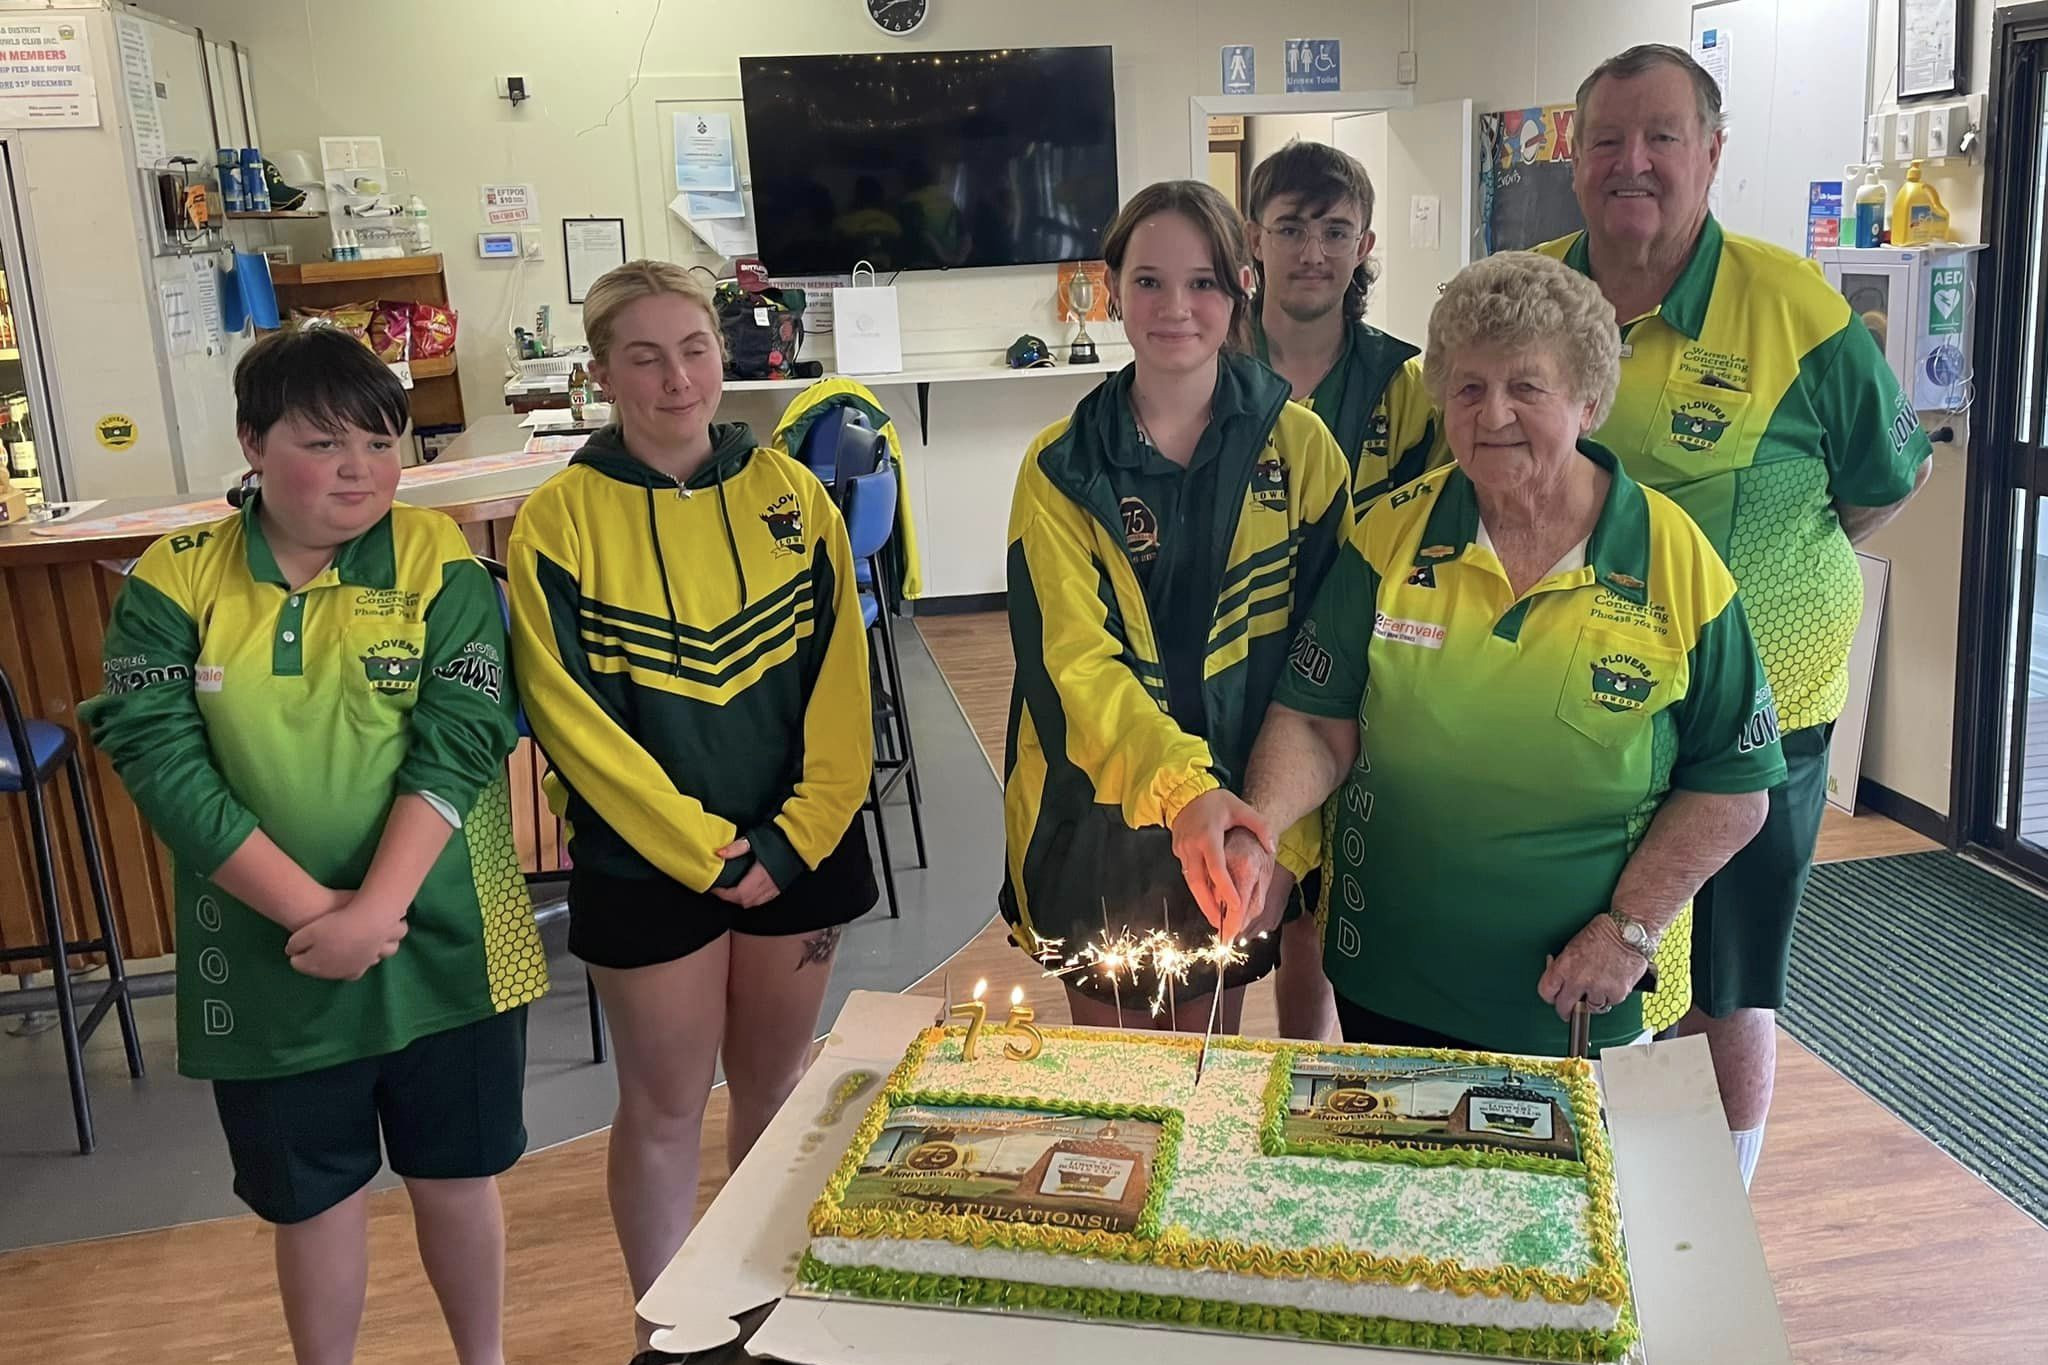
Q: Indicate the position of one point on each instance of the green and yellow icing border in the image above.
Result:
(1172, 1310)
(1273, 1140)
(1173, 1248)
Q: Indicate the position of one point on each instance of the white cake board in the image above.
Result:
(1703, 1293)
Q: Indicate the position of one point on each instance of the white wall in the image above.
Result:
(422, 75)
(1912, 704)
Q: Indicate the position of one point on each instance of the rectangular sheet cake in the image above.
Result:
(1429, 1200)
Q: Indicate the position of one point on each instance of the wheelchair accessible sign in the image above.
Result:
(1312, 65)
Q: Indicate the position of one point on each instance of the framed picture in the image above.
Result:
(1930, 48)
(591, 246)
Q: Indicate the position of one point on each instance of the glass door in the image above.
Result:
(2002, 684)
(27, 425)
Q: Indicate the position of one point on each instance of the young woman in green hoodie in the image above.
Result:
(1165, 541)
(690, 650)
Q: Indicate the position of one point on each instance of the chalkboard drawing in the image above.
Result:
(1525, 177)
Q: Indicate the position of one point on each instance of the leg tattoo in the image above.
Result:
(819, 947)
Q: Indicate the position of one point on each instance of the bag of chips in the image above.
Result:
(353, 318)
(433, 330)
(391, 331)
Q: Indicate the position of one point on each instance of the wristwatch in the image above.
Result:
(1634, 933)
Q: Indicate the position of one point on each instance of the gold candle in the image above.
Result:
(1019, 1022)
(975, 1013)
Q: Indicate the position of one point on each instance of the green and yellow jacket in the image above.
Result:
(693, 661)
(1374, 403)
(817, 400)
(1115, 556)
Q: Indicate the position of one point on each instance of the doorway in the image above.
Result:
(2001, 760)
(1422, 163)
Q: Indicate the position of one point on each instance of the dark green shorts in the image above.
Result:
(450, 1106)
(1742, 917)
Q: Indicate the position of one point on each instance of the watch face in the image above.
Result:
(898, 16)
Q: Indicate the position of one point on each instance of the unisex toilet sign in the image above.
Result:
(1313, 64)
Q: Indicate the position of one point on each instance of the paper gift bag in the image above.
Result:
(866, 335)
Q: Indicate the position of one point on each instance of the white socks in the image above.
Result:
(1749, 1145)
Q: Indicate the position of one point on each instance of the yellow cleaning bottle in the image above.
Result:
(1918, 215)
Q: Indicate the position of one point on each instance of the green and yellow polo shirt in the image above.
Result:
(234, 702)
(1514, 749)
(1757, 400)
(1374, 404)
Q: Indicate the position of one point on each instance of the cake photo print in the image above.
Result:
(1425, 1201)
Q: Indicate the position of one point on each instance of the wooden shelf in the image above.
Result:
(279, 213)
(433, 366)
(331, 272)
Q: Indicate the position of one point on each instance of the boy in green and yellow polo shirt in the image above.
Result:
(308, 701)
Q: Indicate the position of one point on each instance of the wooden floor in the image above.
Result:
(1883, 1249)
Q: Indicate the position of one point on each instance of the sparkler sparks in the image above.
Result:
(1125, 956)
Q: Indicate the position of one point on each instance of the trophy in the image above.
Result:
(1080, 298)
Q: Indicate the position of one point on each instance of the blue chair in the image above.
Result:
(31, 752)
(870, 509)
(840, 446)
(499, 574)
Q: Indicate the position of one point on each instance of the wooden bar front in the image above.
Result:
(55, 596)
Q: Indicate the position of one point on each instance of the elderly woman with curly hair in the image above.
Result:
(1529, 685)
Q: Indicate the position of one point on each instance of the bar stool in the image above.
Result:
(870, 508)
(31, 751)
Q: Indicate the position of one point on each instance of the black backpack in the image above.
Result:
(763, 331)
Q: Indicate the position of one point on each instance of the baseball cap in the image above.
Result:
(1027, 352)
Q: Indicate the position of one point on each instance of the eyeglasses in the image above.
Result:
(1335, 238)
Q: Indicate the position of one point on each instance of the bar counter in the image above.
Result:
(55, 594)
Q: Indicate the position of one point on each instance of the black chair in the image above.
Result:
(499, 574)
(31, 751)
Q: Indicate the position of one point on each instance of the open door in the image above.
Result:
(1363, 138)
(1425, 215)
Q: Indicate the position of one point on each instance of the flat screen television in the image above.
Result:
(931, 160)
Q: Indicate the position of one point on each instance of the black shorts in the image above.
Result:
(624, 922)
(1361, 1025)
(451, 1107)
(1742, 917)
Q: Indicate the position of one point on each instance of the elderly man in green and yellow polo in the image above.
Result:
(1755, 399)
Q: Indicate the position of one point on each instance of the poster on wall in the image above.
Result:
(1525, 177)
(46, 75)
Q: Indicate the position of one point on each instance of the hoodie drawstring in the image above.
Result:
(675, 634)
(732, 544)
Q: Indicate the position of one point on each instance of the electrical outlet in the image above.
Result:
(1404, 68)
(531, 237)
(1877, 139)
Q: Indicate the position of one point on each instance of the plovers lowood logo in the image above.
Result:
(1269, 483)
(1622, 682)
(1698, 425)
(785, 521)
(393, 665)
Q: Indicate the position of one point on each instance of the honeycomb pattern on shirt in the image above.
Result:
(513, 955)
(1800, 586)
(1673, 997)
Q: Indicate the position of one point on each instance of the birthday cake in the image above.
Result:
(1427, 1200)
